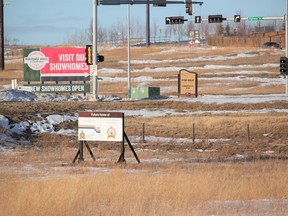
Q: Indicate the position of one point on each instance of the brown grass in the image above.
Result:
(183, 189)
(113, 56)
(38, 179)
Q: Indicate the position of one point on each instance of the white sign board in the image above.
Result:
(101, 126)
(93, 70)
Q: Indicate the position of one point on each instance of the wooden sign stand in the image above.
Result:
(121, 159)
(80, 152)
(122, 155)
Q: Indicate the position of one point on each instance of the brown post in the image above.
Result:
(248, 132)
(143, 132)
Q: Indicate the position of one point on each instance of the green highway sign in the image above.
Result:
(255, 18)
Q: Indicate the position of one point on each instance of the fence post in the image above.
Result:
(248, 132)
(143, 132)
(193, 132)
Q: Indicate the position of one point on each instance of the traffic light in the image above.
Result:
(283, 66)
(159, 3)
(88, 55)
(198, 19)
(189, 8)
(174, 20)
(100, 58)
(215, 18)
(237, 18)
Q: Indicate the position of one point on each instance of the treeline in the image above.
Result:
(244, 33)
(248, 40)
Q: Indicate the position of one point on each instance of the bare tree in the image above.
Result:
(117, 33)
(90, 32)
(78, 38)
(138, 28)
(205, 29)
(155, 29)
(189, 28)
(220, 29)
(227, 29)
(168, 32)
(179, 32)
(102, 35)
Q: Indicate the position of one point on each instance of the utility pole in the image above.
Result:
(147, 24)
(129, 56)
(2, 63)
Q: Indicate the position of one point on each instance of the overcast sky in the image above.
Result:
(49, 22)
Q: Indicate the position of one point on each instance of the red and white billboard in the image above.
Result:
(59, 64)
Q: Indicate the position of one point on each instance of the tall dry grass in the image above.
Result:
(182, 189)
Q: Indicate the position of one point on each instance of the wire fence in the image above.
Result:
(147, 133)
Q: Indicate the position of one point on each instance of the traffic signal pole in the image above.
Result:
(286, 30)
(94, 50)
(249, 18)
(134, 2)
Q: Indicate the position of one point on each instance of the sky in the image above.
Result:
(43, 22)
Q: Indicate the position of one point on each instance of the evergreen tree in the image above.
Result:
(227, 29)
(220, 29)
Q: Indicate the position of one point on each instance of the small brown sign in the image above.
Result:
(187, 83)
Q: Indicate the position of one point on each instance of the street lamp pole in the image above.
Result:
(129, 63)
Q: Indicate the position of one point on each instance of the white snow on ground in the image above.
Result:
(145, 80)
(173, 69)
(48, 124)
(14, 95)
(4, 122)
(111, 71)
(242, 99)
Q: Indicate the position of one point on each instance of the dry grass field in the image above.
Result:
(235, 162)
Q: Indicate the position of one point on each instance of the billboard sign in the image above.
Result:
(101, 126)
(55, 64)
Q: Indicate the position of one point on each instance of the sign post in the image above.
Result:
(187, 83)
